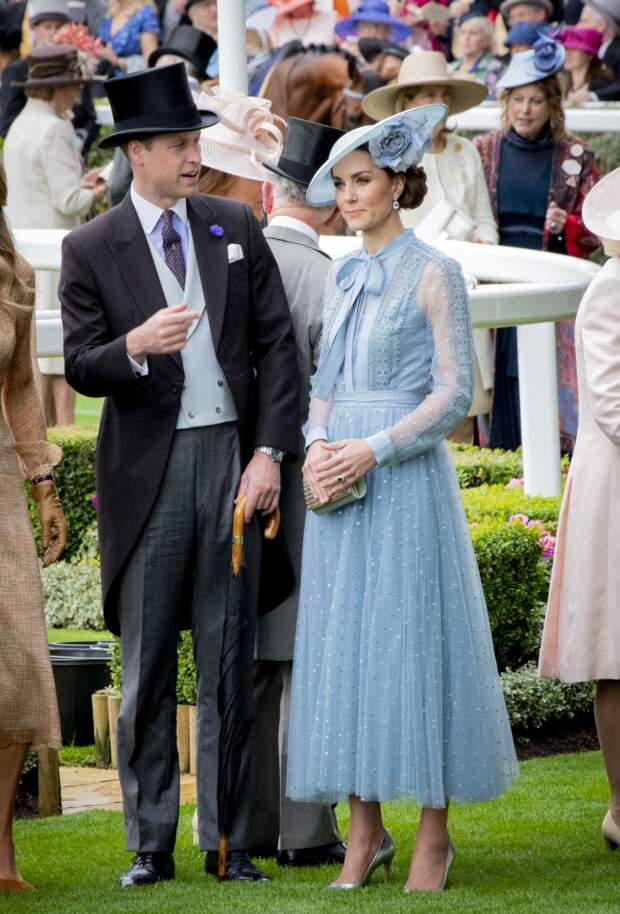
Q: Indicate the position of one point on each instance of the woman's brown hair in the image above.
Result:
(553, 93)
(415, 188)
(13, 289)
(214, 182)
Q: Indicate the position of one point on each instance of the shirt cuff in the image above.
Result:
(382, 447)
(138, 369)
(317, 434)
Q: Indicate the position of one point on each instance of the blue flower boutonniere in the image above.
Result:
(216, 230)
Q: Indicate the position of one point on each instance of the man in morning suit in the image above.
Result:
(305, 834)
(173, 309)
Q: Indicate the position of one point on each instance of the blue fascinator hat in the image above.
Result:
(546, 58)
(397, 142)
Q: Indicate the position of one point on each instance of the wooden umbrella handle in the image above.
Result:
(271, 529)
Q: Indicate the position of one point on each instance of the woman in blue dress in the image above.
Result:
(130, 33)
(396, 691)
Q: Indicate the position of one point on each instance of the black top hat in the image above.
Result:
(189, 43)
(11, 21)
(306, 147)
(152, 102)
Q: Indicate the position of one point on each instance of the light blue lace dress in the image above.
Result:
(395, 686)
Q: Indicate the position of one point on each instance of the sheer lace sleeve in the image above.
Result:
(441, 293)
(315, 428)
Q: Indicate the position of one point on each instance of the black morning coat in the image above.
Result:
(109, 285)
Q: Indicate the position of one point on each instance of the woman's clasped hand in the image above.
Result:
(331, 467)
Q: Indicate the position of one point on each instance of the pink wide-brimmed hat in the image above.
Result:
(247, 138)
(580, 39)
(288, 6)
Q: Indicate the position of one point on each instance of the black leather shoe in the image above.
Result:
(313, 856)
(239, 867)
(149, 867)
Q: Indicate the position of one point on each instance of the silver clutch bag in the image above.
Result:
(355, 492)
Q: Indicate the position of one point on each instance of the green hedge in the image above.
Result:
(501, 503)
(535, 703)
(514, 579)
(477, 466)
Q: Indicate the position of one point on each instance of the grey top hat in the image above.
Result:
(39, 10)
(546, 5)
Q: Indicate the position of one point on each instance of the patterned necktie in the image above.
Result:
(173, 249)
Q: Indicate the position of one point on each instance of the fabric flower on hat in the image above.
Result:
(547, 54)
(398, 147)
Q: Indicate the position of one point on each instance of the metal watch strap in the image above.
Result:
(276, 455)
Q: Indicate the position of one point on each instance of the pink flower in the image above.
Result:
(537, 525)
(522, 519)
(515, 483)
(547, 544)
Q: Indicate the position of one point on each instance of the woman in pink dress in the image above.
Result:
(581, 640)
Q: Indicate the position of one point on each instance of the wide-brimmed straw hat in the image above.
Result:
(376, 11)
(425, 68)
(397, 142)
(601, 207)
(53, 65)
(247, 138)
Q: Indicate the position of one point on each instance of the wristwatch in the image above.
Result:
(276, 455)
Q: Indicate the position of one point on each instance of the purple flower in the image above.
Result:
(93, 502)
(522, 519)
(547, 544)
(216, 230)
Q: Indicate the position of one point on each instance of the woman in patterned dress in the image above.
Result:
(395, 686)
(28, 710)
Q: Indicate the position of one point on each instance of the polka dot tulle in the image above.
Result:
(396, 691)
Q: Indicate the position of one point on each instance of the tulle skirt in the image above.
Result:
(396, 691)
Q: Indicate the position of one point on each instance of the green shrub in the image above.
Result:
(115, 665)
(514, 580)
(75, 478)
(477, 466)
(186, 674)
(606, 148)
(72, 596)
(500, 503)
(535, 703)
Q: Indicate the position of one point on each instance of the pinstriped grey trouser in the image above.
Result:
(181, 561)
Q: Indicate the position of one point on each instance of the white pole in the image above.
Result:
(232, 45)
(538, 393)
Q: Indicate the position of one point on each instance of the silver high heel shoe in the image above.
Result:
(611, 832)
(384, 855)
(449, 859)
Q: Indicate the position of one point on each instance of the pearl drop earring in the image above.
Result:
(395, 205)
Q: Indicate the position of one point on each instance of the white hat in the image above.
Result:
(247, 137)
(601, 207)
(398, 142)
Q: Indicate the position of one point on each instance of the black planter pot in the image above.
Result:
(80, 668)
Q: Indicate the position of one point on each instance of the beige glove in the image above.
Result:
(53, 524)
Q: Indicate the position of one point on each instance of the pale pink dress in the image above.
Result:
(581, 639)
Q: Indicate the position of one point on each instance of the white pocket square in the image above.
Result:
(235, 253)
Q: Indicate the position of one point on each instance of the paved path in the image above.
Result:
(99, 788)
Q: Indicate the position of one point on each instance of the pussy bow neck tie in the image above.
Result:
(358, 277)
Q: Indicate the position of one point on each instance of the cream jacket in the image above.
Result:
(44, 170)
(455, 176)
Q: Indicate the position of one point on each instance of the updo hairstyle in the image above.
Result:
(415, 188)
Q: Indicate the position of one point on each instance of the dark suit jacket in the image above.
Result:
(13, 99)
(109, 285)
(611, 91)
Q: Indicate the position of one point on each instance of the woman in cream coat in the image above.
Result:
(457, 203)
(44, 176)
(581, 640)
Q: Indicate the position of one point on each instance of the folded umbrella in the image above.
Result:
(234, 712)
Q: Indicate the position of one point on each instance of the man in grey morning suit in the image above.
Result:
(308, 833)
(173, 309)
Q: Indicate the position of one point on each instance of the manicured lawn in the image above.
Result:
(87, 410)
(77, 634)
(538, 850)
